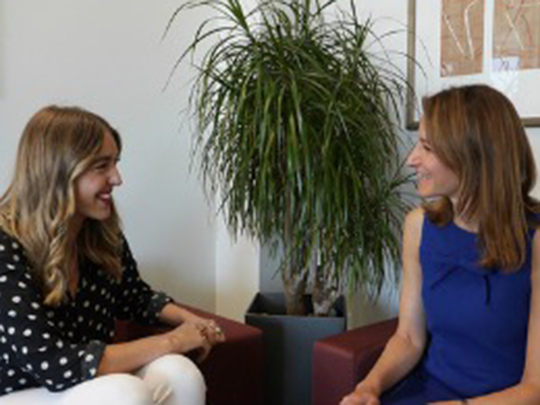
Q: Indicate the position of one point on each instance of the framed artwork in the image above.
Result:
(456, 42)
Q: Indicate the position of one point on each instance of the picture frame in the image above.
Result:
(459, 42)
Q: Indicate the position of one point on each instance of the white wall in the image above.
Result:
(237, 273)
(106, 56)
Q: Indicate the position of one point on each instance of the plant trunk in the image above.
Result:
(294, 286)
(294, 276)
(325, 291)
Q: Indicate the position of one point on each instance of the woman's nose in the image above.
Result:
(412, 159)
(116, 178)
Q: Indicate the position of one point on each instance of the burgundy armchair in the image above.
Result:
(341, 361)
(234, 369)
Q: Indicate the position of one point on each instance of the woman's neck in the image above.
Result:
(468, 225)
(462, 221)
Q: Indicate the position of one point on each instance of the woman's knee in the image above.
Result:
(124, 389)
(175, 376)
(178, 367)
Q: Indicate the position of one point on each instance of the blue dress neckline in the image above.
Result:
(463, 230)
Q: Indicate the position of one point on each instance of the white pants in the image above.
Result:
(169, 380)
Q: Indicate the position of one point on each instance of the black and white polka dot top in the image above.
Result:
(62, 346)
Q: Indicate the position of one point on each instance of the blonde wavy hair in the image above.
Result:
(57, 146)
(476, 132)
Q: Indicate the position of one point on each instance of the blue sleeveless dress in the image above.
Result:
(477, 321)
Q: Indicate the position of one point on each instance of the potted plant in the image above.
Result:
(296, 128)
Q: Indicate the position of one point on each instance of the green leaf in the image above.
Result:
(298, 126)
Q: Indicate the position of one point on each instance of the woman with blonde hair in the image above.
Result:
(67, 273)
(469, 315)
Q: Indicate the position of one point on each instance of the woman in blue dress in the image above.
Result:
(469, 316)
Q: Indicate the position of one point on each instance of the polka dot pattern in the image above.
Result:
(58, 347)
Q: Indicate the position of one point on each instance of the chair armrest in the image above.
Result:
(234, 370)
(341, 361)
(128, 330)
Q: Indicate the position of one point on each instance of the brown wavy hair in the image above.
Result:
(58, 144)
(476, 132)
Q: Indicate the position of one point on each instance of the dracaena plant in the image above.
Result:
(296, 130)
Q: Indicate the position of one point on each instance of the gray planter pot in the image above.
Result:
(288, 346)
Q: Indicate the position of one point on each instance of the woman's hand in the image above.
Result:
(188, 337)
(208, 327)
(173, 314)
(193, 332)
(362, 395)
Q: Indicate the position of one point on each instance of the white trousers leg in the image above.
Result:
(168, 380)
(174, 380)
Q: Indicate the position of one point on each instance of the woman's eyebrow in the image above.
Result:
(105, 158)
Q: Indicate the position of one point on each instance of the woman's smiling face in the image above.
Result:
(93, 189)
(434, 179)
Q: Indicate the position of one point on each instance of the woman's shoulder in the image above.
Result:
(415, 218)
(412, 228)
(13, 260)
(8, 243)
